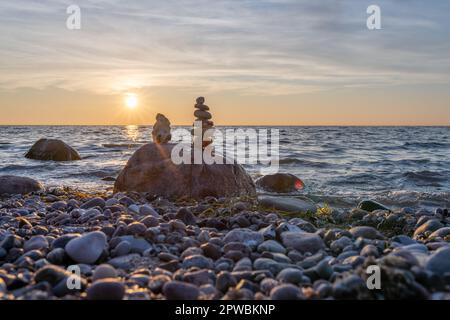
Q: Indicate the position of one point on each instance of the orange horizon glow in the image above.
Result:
(378, 107)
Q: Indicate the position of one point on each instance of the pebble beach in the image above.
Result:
(136, 246)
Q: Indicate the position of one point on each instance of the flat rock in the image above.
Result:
(152, 170)
(52, 149)
(280, 182)
(87, 248)
(202, 107)
(18, 185)
(292, 205)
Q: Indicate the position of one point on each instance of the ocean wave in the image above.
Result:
(357, 179)
(427, 176)
(426, 145)
(407, 198)
(387, 162)
(93, 173)
(302, 162)
(18, 167)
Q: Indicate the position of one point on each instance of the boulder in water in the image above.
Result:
(152, 170)
(18, 185)
(280, 182)
(52, 149)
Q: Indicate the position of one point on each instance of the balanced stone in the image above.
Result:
(202, 107)
(202, 115)
(161, 129)
(200, 100)
(87, 248)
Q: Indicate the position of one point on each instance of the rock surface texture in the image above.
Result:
(152, 170)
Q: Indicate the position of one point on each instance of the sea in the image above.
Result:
(398, 166)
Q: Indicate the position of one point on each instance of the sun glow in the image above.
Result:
(131, 101)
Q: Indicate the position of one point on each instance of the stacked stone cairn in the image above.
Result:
(203, 117)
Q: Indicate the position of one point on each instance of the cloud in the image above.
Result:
(247, 46)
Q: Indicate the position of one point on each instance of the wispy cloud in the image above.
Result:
(249, 46)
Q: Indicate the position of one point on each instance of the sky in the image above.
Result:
(257, 62)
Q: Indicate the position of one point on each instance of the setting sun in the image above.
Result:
(131, 101)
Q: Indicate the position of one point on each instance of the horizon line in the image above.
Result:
(230, 125)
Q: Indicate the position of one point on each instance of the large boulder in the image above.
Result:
(18, 185)
(152, 170)
(52, 149)
(280, 182)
